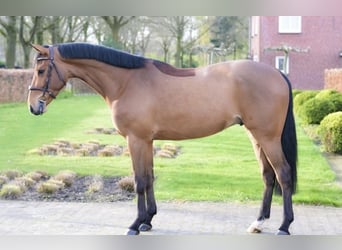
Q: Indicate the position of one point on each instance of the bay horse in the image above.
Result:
(151, 100)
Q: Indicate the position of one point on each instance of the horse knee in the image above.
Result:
(268, 179)
(285, 180)
(143, 184)
(140, 185)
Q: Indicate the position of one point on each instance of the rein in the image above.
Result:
(46, 88)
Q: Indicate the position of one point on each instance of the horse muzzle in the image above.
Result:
(39, 109)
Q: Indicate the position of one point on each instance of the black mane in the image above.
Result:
(101, 53)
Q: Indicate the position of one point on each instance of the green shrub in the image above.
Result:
(332, 95)
(302, 98)
(296, 92)
(314, 110)
(330, 131)
(326, 93)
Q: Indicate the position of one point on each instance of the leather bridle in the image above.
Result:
(46, 88)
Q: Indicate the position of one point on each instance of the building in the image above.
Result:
(301, 46)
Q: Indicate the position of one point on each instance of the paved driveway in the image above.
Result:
(46, 218)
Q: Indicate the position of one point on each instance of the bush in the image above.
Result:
(332, 95)
(326, 93)
(330, 131)
(314, 110)
(303, 97)
(296, 92)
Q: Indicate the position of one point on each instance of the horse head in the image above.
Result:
(47, 80)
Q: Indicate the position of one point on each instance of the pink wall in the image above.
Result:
(323, 35)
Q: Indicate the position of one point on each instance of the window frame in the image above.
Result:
(290, 24)
(286, 67)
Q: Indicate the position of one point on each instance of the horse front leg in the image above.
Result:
(142, 160)
(151, 204)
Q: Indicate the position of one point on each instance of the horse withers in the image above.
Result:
(151, 100)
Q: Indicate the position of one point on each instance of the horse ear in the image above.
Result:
(39, 48)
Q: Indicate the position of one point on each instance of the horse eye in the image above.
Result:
(41, 71)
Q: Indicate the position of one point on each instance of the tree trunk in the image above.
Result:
(11, 41)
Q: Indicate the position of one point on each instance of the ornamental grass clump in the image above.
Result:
(11, 191)
(37, 175)
(49, 187)
(127, 184)
(66, 176)
(96, 184)
(12, 174)
(3, 180)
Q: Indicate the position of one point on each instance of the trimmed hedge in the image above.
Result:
(314, 110)
(301, 98)
(313, 106)
(330, 131)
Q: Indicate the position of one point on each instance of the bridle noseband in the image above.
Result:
(46, 88)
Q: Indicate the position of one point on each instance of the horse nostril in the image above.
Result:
(31, 109)
(34, 112)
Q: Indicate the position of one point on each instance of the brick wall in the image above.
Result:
(333, 79)
(79, 87)
(14, 84)
(322, 34)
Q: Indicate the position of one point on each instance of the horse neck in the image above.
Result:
(106, 80)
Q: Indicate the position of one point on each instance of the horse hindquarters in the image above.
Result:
(278, 157)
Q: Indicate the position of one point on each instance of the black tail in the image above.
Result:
(289, 142)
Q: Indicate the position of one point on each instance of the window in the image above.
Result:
(290, 24)
(280, 64)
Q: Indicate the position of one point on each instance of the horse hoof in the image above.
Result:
(254, 230)
(132, 232)
(281, 232)
(145, 227)
(255, 227)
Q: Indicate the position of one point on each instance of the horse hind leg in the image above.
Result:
(274, 153)
(269, 180)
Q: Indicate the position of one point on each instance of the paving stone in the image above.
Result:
(173, 218)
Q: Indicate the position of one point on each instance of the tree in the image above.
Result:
(9, 31)
(186, 32)
(28, 27)
(136, 35)
(230, 33)
(115, 23)
(177, 26)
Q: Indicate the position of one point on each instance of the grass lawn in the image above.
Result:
(216, 168)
